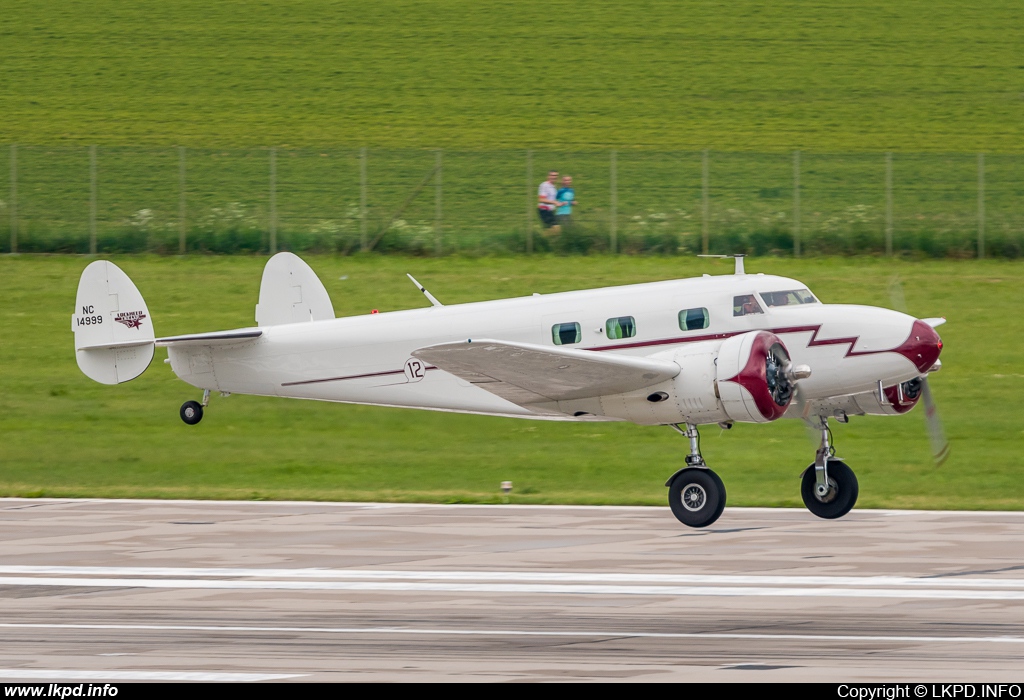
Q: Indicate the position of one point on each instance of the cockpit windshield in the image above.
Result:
(788, 298)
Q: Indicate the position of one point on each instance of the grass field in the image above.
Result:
(487, 201)
(868, 75)
(935, 82)
(63, 435)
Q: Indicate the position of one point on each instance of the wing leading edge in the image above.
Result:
(524, 373)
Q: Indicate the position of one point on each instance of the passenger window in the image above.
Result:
(745, 305)
(694, 319)
(566, 333)
(621, 327)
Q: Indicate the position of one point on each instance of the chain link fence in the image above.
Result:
(176, 200)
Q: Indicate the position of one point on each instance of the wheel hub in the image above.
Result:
(694, 497)
(826, 493)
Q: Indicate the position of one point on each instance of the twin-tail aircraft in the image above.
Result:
(723, 349)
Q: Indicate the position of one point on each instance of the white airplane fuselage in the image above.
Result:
(369, 359)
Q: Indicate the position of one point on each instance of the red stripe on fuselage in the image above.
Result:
(920, 347)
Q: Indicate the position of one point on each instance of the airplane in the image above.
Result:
(749, 348)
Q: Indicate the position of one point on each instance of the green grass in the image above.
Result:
(659, 80)
(63, 435)
(869, 75)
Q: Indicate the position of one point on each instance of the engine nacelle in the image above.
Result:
(743, 379)
(899, 399)
(752, 381)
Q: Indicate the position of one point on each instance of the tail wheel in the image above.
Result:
(841, 495)
(697, 497)
(191, 412)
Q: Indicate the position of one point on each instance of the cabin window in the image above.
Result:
(788, 298)
(744, 305)
(566, 333)
(621, 327)
(694, 319)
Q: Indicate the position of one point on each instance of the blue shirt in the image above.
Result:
(567, 195)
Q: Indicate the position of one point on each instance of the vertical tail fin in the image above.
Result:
(290, 292)
(114, 337)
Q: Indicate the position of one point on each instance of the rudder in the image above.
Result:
(114, 337)
(290, 292)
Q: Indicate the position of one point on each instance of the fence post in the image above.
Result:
(362, 200)
(981, 206)
(613, 232)
(888, 204)
(182, 211)
(438, 244)
(705, 203)
(273, 200)
(796, 204)
(530, 199)
(92, 200)
(14, 198)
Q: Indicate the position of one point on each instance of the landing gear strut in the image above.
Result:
(695, 493)
(192, 411)
(829, 487)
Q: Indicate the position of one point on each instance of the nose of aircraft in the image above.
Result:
(922, 347)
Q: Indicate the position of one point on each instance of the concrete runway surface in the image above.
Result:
(99, 590)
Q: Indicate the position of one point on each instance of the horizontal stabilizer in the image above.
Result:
(217, 338)
(524, 373)
(112, 326)
(290, 292)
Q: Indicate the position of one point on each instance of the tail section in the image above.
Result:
(114, 337)
(290, 292)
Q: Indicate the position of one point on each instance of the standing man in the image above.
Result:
(547, 200)
(566, 198)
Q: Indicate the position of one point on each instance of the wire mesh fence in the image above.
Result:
(260, 200)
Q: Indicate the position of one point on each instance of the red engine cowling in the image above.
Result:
(752, 382)
(900, 398)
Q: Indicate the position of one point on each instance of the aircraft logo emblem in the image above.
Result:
(131, 319)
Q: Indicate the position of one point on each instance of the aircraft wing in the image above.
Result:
(524, 373)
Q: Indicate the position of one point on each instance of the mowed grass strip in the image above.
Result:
(64, 435)
(932, 75)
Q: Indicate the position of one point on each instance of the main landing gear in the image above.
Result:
(829, 487)
(695, 493)
(192, 411)
(697, 496)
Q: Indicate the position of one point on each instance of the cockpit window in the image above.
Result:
(745, 305)
(788, 298)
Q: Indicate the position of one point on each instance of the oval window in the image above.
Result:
(566, 333)
(694, 319)
(621, 327)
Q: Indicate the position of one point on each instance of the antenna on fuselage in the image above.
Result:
(423, 289)
(738, 257)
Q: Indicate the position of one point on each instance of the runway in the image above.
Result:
(255, 591)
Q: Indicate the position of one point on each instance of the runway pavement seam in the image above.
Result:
(609, 634)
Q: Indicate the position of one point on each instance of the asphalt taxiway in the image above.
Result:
(105, 590)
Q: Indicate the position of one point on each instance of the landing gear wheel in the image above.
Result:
(191, 412)
(697, 497)
(841, 495)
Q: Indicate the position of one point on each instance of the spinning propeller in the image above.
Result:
(936, 433)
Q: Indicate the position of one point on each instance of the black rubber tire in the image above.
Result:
(846, 491)
(702, 486)
(191, 412)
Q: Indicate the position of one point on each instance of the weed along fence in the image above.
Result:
(106, 199)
